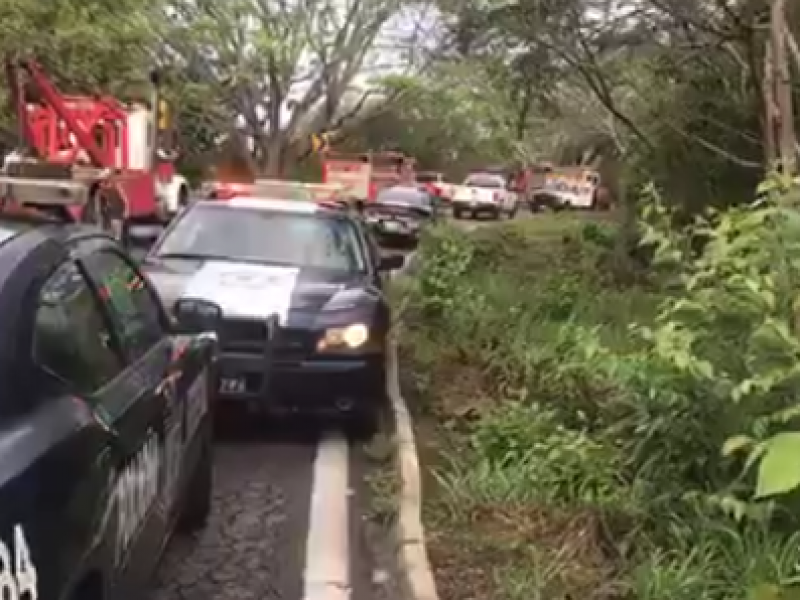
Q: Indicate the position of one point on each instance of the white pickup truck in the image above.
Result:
(484, 193)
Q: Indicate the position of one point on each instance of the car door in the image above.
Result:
(75, 361)
(144, 410)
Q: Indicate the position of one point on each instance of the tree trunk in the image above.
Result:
(783, 89)
(273, 160)
(768, 87)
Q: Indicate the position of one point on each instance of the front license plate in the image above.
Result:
(392, 226)
(232, 385)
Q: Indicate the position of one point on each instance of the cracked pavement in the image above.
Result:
(254, 546)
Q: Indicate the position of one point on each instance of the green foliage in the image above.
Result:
(669, 411)
(451, 119)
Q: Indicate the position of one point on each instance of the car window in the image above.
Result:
(428, 178)
(273, 237)
(485, 180)
(134, 310)
(405, 196)
(71, 339)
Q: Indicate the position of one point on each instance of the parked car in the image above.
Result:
(105, 417)
(299, 291)
(399, 214)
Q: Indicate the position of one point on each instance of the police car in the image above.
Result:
(298, 288)
(105, 427)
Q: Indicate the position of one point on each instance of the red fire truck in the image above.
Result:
(116, 159)
(362, 176)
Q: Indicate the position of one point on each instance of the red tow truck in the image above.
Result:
(114, 160)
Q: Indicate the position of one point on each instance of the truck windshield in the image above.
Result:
(263, 236)
(428, 177)
(485, 180)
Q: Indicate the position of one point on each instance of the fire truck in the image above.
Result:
(111, 162)
(362, 176)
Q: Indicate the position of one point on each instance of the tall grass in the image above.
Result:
(572, 412)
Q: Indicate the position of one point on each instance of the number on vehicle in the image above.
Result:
(18, 579)
(136, 490)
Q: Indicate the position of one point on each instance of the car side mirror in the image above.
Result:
(391, 263)
(192, 316)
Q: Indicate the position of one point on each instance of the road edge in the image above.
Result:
(418, 582)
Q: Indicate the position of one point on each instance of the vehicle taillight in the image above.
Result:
(437, 191)
(498, 196)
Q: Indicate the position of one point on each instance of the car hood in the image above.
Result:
(299, 297)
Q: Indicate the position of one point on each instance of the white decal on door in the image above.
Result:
(136, 490)
(18, 579)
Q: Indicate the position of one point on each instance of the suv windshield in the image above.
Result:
(409, 196)
(428, 178)
(485, 180)
(221, 232)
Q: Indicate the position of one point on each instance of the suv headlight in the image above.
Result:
(351, 337)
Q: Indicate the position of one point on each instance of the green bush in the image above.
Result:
(671, 412)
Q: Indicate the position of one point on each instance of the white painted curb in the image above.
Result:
(418, 582)
(417, 577)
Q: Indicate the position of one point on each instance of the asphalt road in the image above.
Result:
(286, 525)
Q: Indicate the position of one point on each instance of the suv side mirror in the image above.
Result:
(196, 316)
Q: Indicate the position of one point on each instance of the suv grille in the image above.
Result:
(295, 344)
(243, 335)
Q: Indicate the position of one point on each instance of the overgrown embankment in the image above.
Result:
(575, 429)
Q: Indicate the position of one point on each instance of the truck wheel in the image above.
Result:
(364, 424)
(183, 197)
(457, 214)
(197, 498)
(513, 212)
(104, 209)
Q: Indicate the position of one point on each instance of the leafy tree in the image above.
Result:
(278, 71)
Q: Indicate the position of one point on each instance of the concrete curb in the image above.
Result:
(417, 580)
(415, 571)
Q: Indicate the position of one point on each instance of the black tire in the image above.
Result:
(197, 498)
(512, 213)
(105, 209)
(183, 197)
(364, 424)
(458, 214)
(94, 212)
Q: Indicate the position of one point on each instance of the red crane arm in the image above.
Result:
(53, 97)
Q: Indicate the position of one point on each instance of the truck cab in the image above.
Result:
(484, 192)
